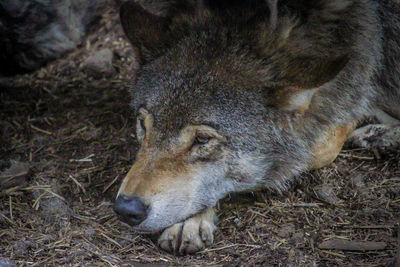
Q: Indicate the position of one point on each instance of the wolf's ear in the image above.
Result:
(306, 43)
(312, 71)
(150, 34)
(298, 90)
(283, 17)
(300, 44)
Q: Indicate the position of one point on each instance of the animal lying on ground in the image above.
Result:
(34, 32)
(244, 95)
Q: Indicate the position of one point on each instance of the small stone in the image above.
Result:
(357, 180)
(325, 193)
(90, 232)
(286, 230)
(53, 208)
(359, 184)
(15, 175)
(100, 64)
(22, 247)
(6, 263)
(298, 240)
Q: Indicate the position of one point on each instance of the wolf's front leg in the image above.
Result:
(382, 136)
(190, 236)
(376, 135)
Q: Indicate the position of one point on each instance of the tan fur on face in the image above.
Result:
(152, 168)
(156, 171)
(152, 173)
(329, 145)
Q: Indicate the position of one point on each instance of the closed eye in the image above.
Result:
(201, 140)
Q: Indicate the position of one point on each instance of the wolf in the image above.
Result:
(236, 96)
(35, 32)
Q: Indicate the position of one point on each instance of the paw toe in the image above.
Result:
(207, 232)
(169, 239)
(191, 241)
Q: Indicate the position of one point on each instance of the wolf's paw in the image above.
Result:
(376, 135)
(190, 236)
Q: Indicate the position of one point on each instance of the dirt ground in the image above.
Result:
(75, 135)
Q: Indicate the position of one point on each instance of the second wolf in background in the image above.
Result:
(34, 32)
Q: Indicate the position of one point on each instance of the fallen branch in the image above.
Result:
(340, 244)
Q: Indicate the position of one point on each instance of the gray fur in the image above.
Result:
(220, 65)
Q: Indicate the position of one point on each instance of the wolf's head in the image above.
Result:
(219, 99)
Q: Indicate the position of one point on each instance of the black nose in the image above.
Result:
(130, 210)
